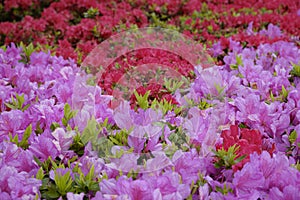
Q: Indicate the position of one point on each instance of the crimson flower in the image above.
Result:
(248, 141)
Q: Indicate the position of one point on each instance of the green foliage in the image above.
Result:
(17, 103)
(284, 92)
(68, 114)
(194, 187)
(225, 189)
(172, 85)
(24, 142)
(120, 138)
(77, 146)
(227, 158)
(239, 62)
(132, 174)
(91, 13)
(157, 20)
(64, 183)
(142, 100)
(296, 70)
(165, 106)
(297, 165)
(179, 138)
(86, 184)
(40, 174)
(202, 104)
(72, 181)
(3, 47)
(293, 136)
(90, 132)
(28, 50)
(54, 126)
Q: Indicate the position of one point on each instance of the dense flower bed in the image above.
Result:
(233, 136)
(233, 133)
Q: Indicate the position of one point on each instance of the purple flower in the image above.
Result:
(250, 72)
(123, 187)
(17, 185)
(251, 111)
(272, 31)
(108, 186)
(248, 180)
(85, 164)
(126, 163)
(62, 139)
(40, 59)
(235, 46)
(43, 147)
(207, 82)
(12, 122)
(122, 116)
(217, 49)
(158, 163)
(249, 30)
(146, 117)
(197, 125)
(46, 112)
(22, 186)
(188, 165)
(264, 172)
(169, 185)
(72, 196)
(141, 134)
(17, 157)
(139, 189)
(203, 191)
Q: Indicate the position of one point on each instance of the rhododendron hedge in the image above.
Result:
(74, 28)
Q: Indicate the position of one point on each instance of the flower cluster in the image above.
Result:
(234, 134)
(247, 141)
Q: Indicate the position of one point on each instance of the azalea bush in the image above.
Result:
(233, 135)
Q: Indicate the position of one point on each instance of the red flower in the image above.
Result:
(248, 141)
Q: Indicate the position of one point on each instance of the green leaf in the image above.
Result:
(227, 158)
(77, 146)
(91, 13)
(28, 50)
(296, 70)
(91, 131)
(89, 177)
(14, 139)
(40, 174)
(284, 92)
(142, 100)
(68, 114)
(63, 183)
(293, 136)
(52, 194)
(54, 125)
(172, 84)
(272, 96)
(17, 103)
(24, 142)
(219, 88)
(239, 61)
(239, 159)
